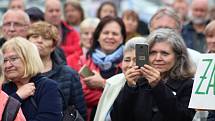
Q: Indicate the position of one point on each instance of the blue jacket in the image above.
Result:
(69, 83)
(47, 99)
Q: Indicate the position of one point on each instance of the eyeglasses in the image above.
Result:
(13, 24)
(12, 59)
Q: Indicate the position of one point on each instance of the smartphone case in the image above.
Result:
(142, 54)
(85, 71)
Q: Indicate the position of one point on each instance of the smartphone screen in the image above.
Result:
(142, 54)
(85, 71)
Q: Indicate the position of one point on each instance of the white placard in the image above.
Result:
(203, 92)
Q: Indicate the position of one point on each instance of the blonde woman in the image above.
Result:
(38, 94)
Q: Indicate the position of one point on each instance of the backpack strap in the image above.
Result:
(11, 109)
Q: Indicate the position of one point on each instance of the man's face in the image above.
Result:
(53, 12)
(14, 24)
(181, 8)
(17, 4)
(163, 22)
(199, 12)
(72, 15)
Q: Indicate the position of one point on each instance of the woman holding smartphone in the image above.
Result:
(115, 83)
(161, 90)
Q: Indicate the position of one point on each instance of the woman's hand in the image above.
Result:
(95, 81)
(151, 74)
(26, 90)
(132, 75)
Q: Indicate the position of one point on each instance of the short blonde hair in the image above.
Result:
(28, 53)
(210, 28)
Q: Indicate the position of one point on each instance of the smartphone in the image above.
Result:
(85, 71)
(142, 54)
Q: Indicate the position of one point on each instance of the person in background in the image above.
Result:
(35, 14)
(160, 90)
(73, 13)
(16, 4)
(14, 23)
(212, 13)
(182, 8)
(106, 9)
(39, 96)
(45, 37)
(130, 19)
(115, 83)
(69, 37)
(87, 28)
(4, 97)
(210, 37)
(193, 32)
(104, 59)
(167, 18)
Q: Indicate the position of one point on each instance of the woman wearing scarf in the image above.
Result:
(104, 59)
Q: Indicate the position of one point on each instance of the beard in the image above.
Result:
(198, 20)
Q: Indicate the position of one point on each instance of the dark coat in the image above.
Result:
(193, 39)
(69, 83)
(211, 116)
(164, 102)
(46, 97)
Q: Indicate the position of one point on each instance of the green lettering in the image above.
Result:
(204, 76)
(211, 83)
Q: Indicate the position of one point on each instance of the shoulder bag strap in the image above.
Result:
(11, 109)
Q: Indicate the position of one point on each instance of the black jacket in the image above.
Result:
(68, 81)
(165, 102)
(211, 116)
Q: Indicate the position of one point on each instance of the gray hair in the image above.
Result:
(167, 11)
(21, 12)
(130, 45)
(183, 68)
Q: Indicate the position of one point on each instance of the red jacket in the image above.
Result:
(73, 60)
(3, 100)
(92, 96)
(70, 40)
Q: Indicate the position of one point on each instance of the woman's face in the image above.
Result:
(44, 45)
(13, 65)
(129, 60)
(87, 36)
(210, 39)
(72, 15)
(130, 24)
(110, 37)
(162, 57)
(107, 10)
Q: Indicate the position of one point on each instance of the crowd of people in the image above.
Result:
(43, 56)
